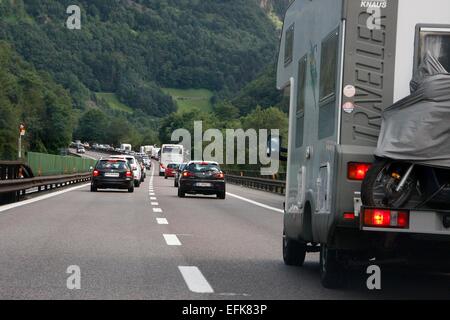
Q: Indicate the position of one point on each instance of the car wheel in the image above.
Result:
(137, 183)
(165, 177)
(93, 188)
(332, 272)
(294, 252)
(175, 183)
(161, 174)
(131, 189)
(181, 194)
(221, 195)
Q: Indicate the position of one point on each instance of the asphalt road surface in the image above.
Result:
(153, 245)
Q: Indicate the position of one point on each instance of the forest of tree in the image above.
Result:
(131, 48)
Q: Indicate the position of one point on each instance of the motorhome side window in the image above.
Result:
(327, 87)
(302, 69)
(437, 42)
(328, 65)
(289, 46)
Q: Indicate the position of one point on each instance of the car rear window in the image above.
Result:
(203, 167)
(112, 164)
(172, 166)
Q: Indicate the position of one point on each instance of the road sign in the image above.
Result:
(22, 129)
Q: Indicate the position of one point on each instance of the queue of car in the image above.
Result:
(127, 171)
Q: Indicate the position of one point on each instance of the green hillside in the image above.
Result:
(114, 68)
(191, 99)
(113, 102)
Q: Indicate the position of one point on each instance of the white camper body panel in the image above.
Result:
(311, 157)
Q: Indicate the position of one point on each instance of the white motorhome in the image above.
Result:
(342, 62)
(125, 147)
(170, 153)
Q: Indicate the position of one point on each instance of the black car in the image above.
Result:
(202, 177)
(178, 173)
(112, 174)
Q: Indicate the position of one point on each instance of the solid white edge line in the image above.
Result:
(195, 280)
(256, 203)
(40, 198)
(172, 240)
(162, 221)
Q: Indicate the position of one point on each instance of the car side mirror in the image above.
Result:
(91, 168)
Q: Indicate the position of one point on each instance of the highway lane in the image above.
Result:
(153, 245)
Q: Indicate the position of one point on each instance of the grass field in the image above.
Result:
(113, 102)
(190, 99)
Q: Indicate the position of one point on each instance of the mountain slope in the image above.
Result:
(132, 48)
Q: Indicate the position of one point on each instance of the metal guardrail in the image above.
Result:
(274, 186)
(12, 189)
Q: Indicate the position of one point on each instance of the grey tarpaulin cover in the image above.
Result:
(417, 128)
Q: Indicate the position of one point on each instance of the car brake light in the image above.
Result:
(96, 173)
(187, 174)
(385, 218)
(129, 174)
(357, 171)
(219, 175)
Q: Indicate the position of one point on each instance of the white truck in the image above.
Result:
(342, 62)
(147, 150)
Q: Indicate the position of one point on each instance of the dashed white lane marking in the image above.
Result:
(195, 280)
(162, 221)
(157, 210)
(255, 203)
(172, 240)
(51, 195)
(151, 194)
(153, 198)
(154, 203)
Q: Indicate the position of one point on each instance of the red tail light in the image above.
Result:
(96, 173)
(187, 174)
(384, 218)
(219, 175)
(349, 216)
(129, 174)
(357, 171)
(161, 165)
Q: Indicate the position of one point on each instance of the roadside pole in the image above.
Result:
(21, 134)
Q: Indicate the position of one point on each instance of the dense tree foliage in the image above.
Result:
(134, 47)
(31, 97)
(260, 92)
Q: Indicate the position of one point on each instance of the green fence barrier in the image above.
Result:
(48, 164)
